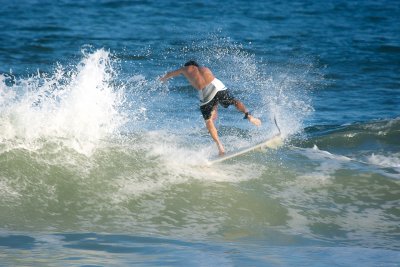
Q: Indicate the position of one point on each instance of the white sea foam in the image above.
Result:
(191, 162)
(78, 107)
(322, 174)
(390, 161)
(170, 161)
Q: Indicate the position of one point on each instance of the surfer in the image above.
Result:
(211, 93)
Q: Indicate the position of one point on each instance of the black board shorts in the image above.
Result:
(222, 97)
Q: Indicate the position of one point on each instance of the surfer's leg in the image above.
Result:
(214, 113)
(214, 134)
(209, 112)
(241, 107)
(226, 99)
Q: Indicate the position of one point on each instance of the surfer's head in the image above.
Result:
(191, 63)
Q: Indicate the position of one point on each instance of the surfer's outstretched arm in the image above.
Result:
(171, 74)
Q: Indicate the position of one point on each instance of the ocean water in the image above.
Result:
(103, 165)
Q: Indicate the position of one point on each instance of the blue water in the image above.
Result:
(103, 165)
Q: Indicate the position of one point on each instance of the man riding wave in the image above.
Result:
(211, 93)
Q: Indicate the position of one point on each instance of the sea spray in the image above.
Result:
(269, 91)
(76, 107)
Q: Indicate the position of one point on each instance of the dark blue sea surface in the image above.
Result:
(101, 164)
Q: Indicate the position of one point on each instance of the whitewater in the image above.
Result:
(102, 164)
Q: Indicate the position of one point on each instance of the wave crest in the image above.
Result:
(78, 106)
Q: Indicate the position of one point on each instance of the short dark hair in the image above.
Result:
(191, 63)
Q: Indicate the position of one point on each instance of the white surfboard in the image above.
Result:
(272, 143)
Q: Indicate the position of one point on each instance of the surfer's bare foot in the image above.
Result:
(254, 120)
